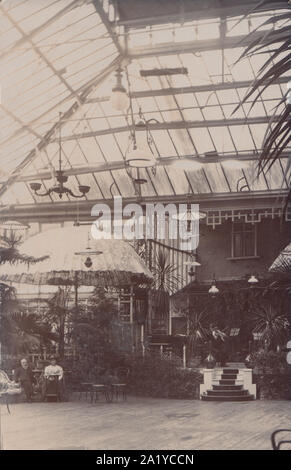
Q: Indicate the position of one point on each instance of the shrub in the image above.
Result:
(270, 374)
(155, 377)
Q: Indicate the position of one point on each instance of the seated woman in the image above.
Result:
(53, 383)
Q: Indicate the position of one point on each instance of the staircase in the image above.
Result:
(227, 385)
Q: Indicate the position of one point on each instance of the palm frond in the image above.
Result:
(276, 42)
(9, 252)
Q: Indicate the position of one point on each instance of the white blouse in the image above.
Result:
(54, 370)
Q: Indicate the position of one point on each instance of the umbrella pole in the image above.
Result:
(76, 291)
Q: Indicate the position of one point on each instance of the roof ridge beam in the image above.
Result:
(193, 46)
(231, 10)
(60, 211)
(163, 161)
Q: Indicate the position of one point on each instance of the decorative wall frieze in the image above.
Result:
(249, 216)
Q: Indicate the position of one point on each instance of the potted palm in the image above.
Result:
(166, 282)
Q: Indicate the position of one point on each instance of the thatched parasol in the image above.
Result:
(117, 265)
(282, 263)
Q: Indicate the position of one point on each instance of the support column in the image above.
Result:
(131, 307)
(248, 382)
(184, 356)
(142, 340)
(207, 381)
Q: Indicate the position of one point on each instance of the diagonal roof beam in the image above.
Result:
(108, 26)
(40, 54)
(37, 30)
(23, 126)
(174, 125)
(71, 111)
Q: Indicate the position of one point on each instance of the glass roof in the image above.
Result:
(61, 56)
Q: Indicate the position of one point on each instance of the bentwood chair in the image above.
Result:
(276, 443)
(103, 389)
(86, 389)
(119, 388)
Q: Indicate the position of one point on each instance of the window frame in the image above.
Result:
(255, 251)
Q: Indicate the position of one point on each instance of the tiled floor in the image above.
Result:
(144, 424)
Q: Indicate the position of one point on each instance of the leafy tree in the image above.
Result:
(90, 333)
(19, 331)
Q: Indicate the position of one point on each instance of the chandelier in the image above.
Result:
(61, 179)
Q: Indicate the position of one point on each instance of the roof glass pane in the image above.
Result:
(69, 46)
(202, 140)
(183, 141)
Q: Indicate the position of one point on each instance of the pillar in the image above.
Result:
(207, 381)
(248, 382)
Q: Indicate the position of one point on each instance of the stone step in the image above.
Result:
(227, 387)
(235, 365)
(228, 376)
(230, 371)
(237, 381)
(225, 398)
(227, 382)
(227, 393)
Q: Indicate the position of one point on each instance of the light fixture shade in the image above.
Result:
(192, 263)
(13, 225)
(35, 186)
(119, 99)
(213, 289)
(189, 215)
(140, 157)
(88, 262)
(233, 164)
(187, 163)
(253, 280)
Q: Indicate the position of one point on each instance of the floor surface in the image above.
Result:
(143, 423)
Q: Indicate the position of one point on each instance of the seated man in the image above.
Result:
(53, 372)
(24, 376)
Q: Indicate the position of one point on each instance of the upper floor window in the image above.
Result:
(243, 240)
